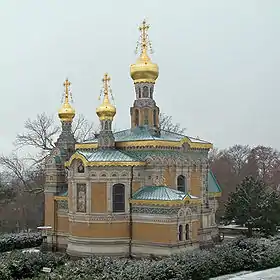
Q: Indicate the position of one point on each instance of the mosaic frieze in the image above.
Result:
(62, 205)
(155, 210)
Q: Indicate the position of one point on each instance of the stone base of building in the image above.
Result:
(142, 249)
(82, 247)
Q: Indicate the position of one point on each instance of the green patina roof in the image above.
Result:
(213, 185)
(144, 133)
(162, 193)
(142, 154)
(124, 156)
(107, 155)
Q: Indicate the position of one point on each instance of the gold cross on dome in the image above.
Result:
(106, 81)
(66, 84)
(144, 34)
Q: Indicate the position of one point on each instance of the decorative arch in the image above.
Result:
(103, 174)
(171, 162)
(181, 213)
(76, 156)
(114, 174)
(188, 211)
(118, 198)
(124, 174)
(149, 159)
(181, 183)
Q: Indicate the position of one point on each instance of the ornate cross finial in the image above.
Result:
(106, 90)
(106, 81)
(144, 43)
(66, 84)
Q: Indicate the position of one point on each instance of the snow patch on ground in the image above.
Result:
(268, 274)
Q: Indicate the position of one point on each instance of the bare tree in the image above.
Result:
(23, 177)
(238, 154)
(166, 123)
(83, 129)
(268, 162)
(214, 154)
(42, 133)
(23, 203)
(39, 133)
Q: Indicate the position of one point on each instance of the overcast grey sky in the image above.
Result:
(219, 63)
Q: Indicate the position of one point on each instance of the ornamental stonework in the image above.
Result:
(62, 205)
(155, 210)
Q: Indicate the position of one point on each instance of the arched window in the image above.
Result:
(137, 117)
(139, 92)
(146, 117)
(187, 231)
(155, 117)
(106, 125)
(180, 233)
(81, 168)
(145, 92)
(181, 183)
(118, 198)
(151, 92)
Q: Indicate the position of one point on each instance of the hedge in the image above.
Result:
(21, 265)
(9, 242)
(239, 255)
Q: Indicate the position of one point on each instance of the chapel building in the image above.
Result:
(136, 192)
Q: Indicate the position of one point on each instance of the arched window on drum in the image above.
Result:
(181, 183)
(136, 117)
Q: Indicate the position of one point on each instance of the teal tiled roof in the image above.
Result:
(213, 185)
(107, 155)
(142, 154)
(144, 133)
(162, 193)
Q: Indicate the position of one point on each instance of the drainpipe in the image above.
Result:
(130, 214)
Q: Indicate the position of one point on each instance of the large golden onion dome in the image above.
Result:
(106, 111)
(66, 113)
(144, 70)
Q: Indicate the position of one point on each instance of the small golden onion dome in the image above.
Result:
(66, 113)
(144, 70)
(106, 111)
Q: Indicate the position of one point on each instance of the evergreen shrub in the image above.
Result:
(239, 255)
(13, 241)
